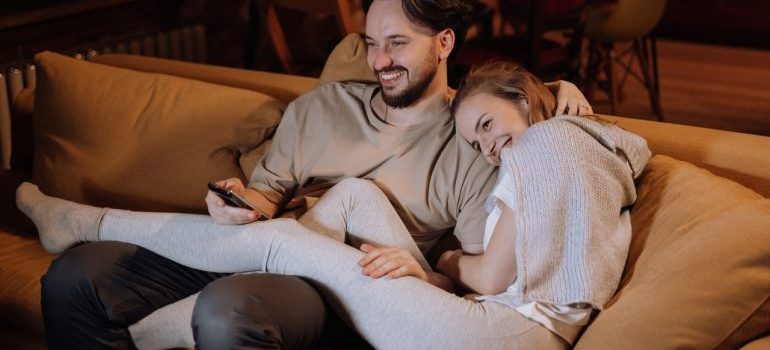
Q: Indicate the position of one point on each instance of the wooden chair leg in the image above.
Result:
(592, 70)
(345, 17)
(655, 76)
(609, 67)
(277, 37)
(643, 53)
(627, 68)
(252, 30)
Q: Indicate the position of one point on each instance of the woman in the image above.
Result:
(577, 170)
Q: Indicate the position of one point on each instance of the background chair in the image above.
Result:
(532, 43)
(340, 9)
(631, 20)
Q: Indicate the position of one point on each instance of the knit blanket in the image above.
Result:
(570, 183)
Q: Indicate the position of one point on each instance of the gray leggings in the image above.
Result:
(402, 313)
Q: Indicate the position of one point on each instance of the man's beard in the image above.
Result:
(413, 91)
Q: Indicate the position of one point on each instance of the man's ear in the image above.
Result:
(446, 41)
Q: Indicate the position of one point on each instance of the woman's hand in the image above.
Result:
(393, 262)
(569, 99)
(225, 214)
(396, 262)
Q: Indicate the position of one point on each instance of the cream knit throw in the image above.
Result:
(572, 183)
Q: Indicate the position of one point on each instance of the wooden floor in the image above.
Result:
(704, 85)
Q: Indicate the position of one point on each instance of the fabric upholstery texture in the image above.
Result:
(696, 275)
(22, 262)
(141, 141)
(347, 62)
(22, 297)
(740, 157)
(698, 271)
(282, 87)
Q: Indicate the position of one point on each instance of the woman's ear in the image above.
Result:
(525, 109)
(446, 41)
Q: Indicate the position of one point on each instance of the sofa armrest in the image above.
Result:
(743, 158)
(283, 87)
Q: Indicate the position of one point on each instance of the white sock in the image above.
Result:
(60, 223)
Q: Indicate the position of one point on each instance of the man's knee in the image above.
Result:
(258, 310)
(78, 273)
(70, 297)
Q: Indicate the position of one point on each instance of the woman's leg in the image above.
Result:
(358, 210)
(403, 313)
(60, 223)
(180, 237)
(389, 313)
(353, 206)
(167, 327)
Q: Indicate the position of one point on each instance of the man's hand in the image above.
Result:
(393, 262)
(225, 214)
(569, 99)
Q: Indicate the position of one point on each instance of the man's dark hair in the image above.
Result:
(438, 15)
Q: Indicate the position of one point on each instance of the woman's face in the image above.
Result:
(491, 123)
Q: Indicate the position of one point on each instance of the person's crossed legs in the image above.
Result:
(93, 292)
(258, 311)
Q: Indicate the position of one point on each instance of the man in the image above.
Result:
(398, 133)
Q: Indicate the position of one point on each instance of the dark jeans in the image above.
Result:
(258, 311)
(266, 311)
(94, 291)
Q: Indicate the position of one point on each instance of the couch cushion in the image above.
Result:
(743, 158)
(347, 62)
(283, 87)
(22, 262)
(121, 138)
(698, 271)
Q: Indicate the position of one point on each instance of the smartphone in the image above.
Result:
(230, 197)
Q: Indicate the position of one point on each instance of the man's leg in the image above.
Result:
(93, 292)
(259, 311)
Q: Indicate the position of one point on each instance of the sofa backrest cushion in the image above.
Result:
(125, 139)
(743, 158)
(347, 62)
(282, 87)
(698, 271)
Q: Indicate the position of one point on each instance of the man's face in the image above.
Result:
(403, 55)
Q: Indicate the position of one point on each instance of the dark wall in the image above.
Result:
(28, 27)
(728, 22)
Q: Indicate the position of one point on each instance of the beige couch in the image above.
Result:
(698, 274)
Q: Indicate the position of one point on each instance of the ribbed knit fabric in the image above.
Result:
(569, 182)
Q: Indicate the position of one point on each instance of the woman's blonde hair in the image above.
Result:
(509, 81)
